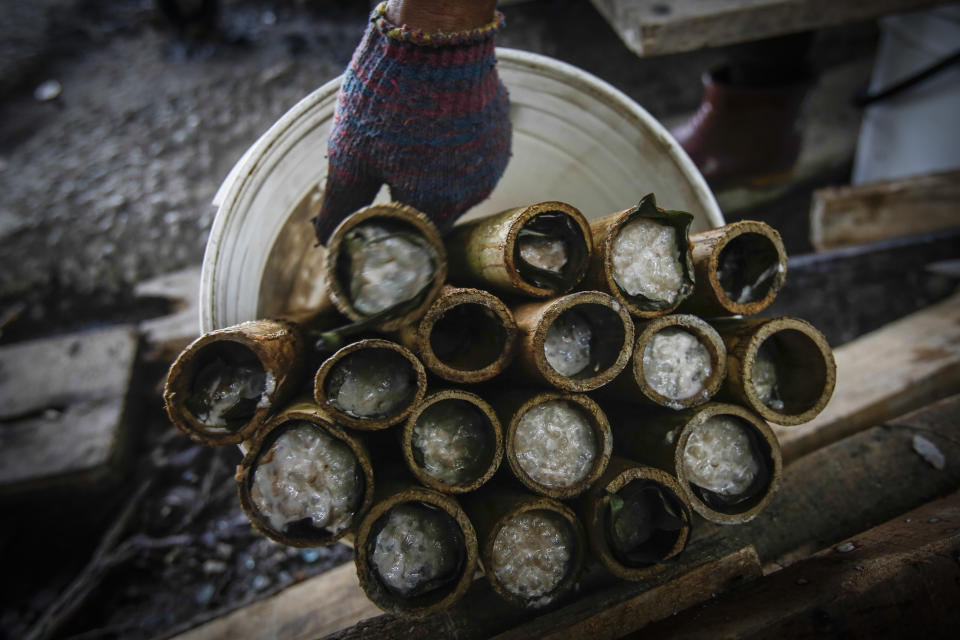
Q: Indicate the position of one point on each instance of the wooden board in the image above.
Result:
(62, 404)
(166, 337)
(888, 372)
(655, 27)
(844, 216)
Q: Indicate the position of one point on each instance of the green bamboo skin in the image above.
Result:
(657, 438)
(368, 424)
(280, 348)
(812, 368)
(533, 321)
(497, 503)
(481, 252)
(394, 491)
(709, 300)
(395, 213)
(593, 505)
(632, 384)
(511, 407)
(495, 432)
(300, 410)
(469, 366)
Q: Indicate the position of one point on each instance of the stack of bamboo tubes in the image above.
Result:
(524, 408)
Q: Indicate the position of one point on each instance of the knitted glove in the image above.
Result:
(425, 114)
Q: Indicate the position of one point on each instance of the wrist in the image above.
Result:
(444, 16)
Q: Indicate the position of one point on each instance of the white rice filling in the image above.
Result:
(676, 364)
(308, 474)
(224, 387)
(765, 380)
(646, 260)
(449, 437)
(414, 548)
(531, 553)
(387, 270)
(555, 444)
(370, 383)
(719, 457)
(567, 343)
(549, 254)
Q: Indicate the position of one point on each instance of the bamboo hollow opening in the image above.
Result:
(466, 336)
(370, 384)
(576, 343)
(642, 258)
(385, 260)
(558, 444)
(453, 441)
(305, 482)
(739, 268)
(537, 251)
(534, 552)
(224, 385)
(416, 552)
(728, 463)
(678, 362)
(787, 372)
(636, 517)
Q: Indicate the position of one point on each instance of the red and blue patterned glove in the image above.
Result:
(424, 113)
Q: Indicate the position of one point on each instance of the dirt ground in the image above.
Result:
(110, 183)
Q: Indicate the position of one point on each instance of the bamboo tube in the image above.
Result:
(513, 527)
(660, 438)
(782, 368)
(224, 385)
(651, 506)
(394, 217)
(658, 293)
(466, 336)
(557, 444)
(739, 269)
(329, 468)
(491, 252)
(426, 520)
(457, 457)
(589, 336)
(368, 366)
(660, 371)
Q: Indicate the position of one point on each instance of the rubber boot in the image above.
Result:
(745, 136)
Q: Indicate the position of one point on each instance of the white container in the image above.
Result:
(575, 139)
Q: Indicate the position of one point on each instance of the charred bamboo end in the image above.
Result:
(224, 385)
(373, 543)
(502, 549)
(531, 453)
(429, 444)
(679, 383)
(612, 515)
(396, 215)
(352, 378)
(788, 372)
(467, 336)
(298, 437)
(581, 341)
(751, 461)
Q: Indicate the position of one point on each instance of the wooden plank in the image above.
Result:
(895, 580)
(888, 372)
(655, 27)
(844, 216)
(313, 608)
(62, 408)
(168, 335)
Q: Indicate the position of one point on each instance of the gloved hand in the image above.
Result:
(424, 113)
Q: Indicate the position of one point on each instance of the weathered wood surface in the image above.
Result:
(167, 336)
(900, 367)
(844, 216)
(655, 27)
(62, 404)
(315, 607)
(896, 580)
